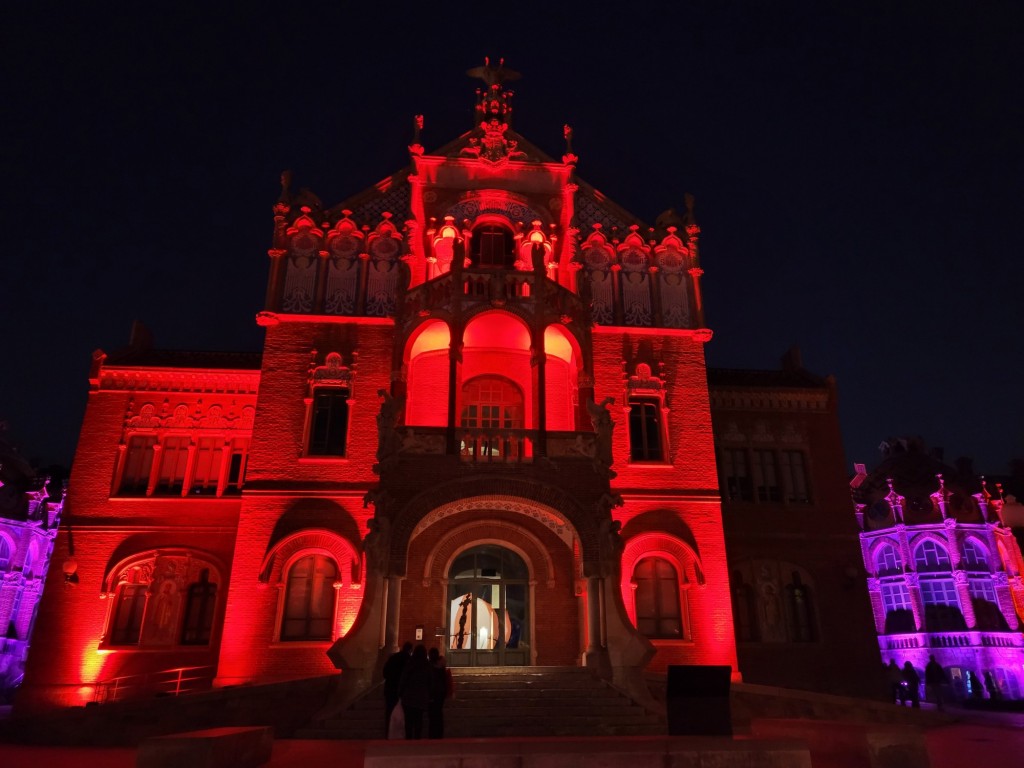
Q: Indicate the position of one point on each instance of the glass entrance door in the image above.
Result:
(487, 609)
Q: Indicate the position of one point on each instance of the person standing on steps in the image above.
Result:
(439, 692)
(913, 681)
(415, 690)
(392, 677)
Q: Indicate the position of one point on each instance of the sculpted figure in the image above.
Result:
(603, 426)
(390, 412)
(376, 544)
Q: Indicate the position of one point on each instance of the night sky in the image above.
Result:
(858, 169)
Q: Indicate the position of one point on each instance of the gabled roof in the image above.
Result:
(392, 193)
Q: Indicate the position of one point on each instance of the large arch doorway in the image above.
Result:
(488, 608)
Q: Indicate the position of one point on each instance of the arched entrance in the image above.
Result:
(488, 608)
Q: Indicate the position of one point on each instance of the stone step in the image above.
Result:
(521, 710)
(518, 702)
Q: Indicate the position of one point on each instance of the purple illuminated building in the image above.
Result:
(944, 570)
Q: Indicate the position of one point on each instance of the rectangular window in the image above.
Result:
(735, 475)
(209, 455)
(794, 475)
(236, 468)
(492, 248)
(895, 597)
(309, 599)
(644, 430)
(982, 589)
(138, 465)
(198, 623)
(658, 609)
(939, 592)
(328, 431)
(766, 482)
(173, 462)
(131, 604)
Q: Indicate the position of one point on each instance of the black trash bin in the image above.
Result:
(697, 700)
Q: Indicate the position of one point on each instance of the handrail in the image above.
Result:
(169, 682)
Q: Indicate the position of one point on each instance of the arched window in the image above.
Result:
(888, 561)
(492, 246)
(975, 558)
(6, 552)
(309, 599)
(658, 610)
(162, 600)
(930, 556)
(491, 404)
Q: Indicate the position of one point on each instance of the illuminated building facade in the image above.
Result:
(480, 419)
(28, 526)
(944, 571)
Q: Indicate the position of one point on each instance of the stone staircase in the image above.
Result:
(492, 702)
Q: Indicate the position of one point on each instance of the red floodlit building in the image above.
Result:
(481, 418)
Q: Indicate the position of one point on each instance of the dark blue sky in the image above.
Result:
(858, 170)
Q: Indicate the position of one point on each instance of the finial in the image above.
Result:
(569, 158)
(417, 125)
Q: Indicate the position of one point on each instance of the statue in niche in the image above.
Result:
(164, 611)
(603, 426)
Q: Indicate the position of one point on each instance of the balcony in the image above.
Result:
(492, 287)
(496, 446)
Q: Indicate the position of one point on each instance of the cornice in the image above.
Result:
(781, 399)
(121, 379)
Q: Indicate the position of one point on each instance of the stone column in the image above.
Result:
(392, 612)
(593, 615)
(914, 588)
(154, 469)
(877, 604)
(1004, 598)
(963, 593)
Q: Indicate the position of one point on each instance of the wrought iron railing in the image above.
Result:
(496, 446)
(166, 682)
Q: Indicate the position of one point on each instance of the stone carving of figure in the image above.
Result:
(610, 545)
(376, 544)
(603, 426)
(387, 437)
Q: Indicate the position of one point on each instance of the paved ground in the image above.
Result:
(977, 739)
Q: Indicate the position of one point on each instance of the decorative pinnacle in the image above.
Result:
(493, 76)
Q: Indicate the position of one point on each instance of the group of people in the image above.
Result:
(905, 683)
(421, 682)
